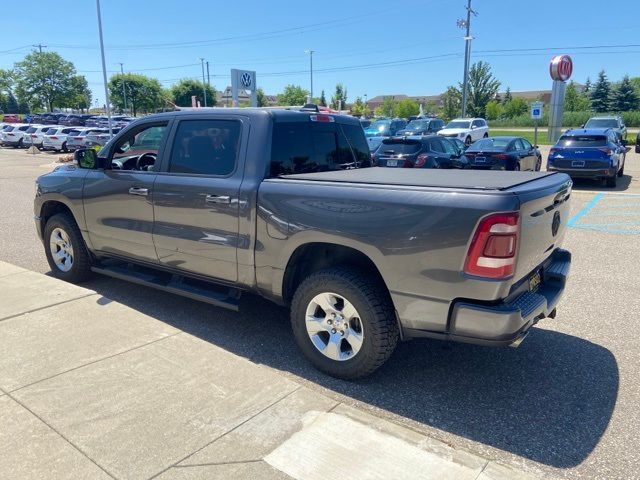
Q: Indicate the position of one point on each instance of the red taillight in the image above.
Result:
(493, 249)
(500, 156)
(53, 138)
(407, 164)
(11, 134)
(421, 160)
(607, 151)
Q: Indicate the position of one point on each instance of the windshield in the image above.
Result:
(458, 124)
(582, 141)
(380, 127)
(489, 144)
(602, 123)
(415, 125)
(395, 147)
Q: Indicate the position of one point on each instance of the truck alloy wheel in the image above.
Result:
(334, 326)
(61, 249)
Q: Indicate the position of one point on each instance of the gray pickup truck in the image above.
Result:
(209, 203)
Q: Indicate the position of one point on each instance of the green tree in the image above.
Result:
(507, 95)
(360, 109)
(387, 108)
(293, 95)
(339, 98)
(515, 107)
(143, 93)
(261, 98)
(625, 97)
(79, 96)
(451, 101)
(323, 99)
(494, 110)
(407, 108)
(587, 86)
(601, 94)
(45, 77)
(575, 101)
(482, 88)
(182, 92)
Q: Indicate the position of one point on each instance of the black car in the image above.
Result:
(424, 152)
(422, 126)
(503, 153)
(75, 120)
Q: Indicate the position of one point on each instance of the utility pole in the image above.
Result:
(310, 52)
(104, 70)
(124, 91)
(40, 47)
(209, 84)
(204, 88)
(467, 54)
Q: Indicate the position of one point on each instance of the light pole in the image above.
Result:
(104, 70)
(204, 85)
(124, 91)
(310, 52)
(467, 54)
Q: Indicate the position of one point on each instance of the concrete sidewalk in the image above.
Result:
(90, 388)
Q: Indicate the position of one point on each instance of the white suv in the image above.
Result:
(466, 129)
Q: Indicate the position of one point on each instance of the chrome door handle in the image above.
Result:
(139, 191)
(218, 199)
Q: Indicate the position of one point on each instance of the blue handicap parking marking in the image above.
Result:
(609, 213)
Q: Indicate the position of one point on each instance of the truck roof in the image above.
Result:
(278, 114)
(463, 179)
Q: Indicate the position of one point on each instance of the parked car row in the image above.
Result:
(436, 151)
(53, 137)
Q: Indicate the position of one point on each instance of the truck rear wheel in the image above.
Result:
(344, 322)
(65, 249)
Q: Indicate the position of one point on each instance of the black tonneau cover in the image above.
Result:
(465, 179)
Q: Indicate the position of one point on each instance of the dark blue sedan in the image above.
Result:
(503, 153)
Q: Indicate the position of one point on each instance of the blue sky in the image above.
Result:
(351, 38)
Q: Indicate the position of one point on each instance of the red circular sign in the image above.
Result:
(561, 67)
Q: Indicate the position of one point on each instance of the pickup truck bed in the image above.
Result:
(463, 179)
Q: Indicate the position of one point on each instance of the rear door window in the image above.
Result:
(206, 147)
(519, 144)
(448, 146)
(436, 146)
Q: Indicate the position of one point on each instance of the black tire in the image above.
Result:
(64, 147)
(538, 164)
(486, 135)
(467, 141)
(621, 172)
(20, 144)
(81, 267)
(612, 182)
(516, 167)
(377, 314)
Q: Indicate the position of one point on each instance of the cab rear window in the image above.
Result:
(307, 147)
(582, 141)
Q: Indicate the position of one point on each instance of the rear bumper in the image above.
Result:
(509, 321)
(586, 172)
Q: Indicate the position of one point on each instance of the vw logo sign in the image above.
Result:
(561, 67)
(245, 79)
(555, 225)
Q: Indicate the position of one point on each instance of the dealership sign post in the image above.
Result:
(243, 80)
(560, 69)
(536, 114)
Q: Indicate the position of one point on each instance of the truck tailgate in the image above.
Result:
(544, 213)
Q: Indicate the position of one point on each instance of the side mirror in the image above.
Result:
(582, 126)
(86, 158)
(473, 127)
(536, 146)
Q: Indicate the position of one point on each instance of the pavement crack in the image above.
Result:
(227, 432)
(236, 462)
(62, 436)
(47, 306)
(96, 361)
(480, 472)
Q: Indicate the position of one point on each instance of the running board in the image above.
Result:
(218, 295)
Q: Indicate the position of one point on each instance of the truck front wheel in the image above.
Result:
(65, 249)
(344, 322)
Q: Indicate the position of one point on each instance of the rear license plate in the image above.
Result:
(534, 281)
(481, 159)
(392, 163)
(577, 163)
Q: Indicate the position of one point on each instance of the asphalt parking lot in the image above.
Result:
(564, 404)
